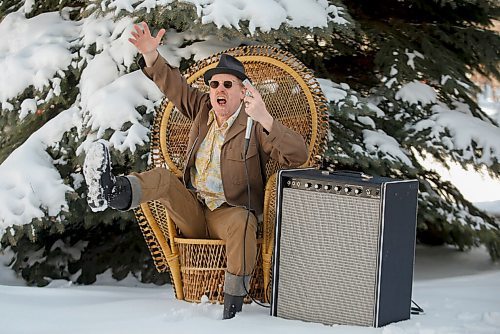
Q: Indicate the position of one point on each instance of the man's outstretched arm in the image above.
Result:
(170, 81)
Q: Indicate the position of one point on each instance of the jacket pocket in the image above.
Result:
(236, 154)
(234, 167)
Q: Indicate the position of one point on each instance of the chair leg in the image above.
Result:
(266, 269)
(175, 269)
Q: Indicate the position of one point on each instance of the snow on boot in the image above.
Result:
(104, 189)
(232, 305)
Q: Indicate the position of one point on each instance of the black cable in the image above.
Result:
(245, 149)
(417, 309)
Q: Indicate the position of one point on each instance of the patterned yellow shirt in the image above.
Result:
(205, 174)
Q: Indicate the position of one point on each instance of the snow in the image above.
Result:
(464, 130)
(115, 104)
(459, 292)
(333, 92)
(96, 161)
(24, 189)
(33, 51)
(379, 141)
(28, 106)
(416, 92)
(174, 50)
(411, 58)
(229, 13)
(264, 15)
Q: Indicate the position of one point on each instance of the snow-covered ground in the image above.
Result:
(460, 293)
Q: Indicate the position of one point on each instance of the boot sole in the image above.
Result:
(96, 160)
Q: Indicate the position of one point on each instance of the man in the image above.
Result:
(212, 199)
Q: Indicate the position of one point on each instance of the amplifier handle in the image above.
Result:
(350, 173)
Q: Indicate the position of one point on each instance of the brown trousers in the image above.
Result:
(195, 220)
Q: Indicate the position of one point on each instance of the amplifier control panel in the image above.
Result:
(334, 187)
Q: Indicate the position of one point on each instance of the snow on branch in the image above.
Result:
(411, 57)
(457, 130)
(379, 143)
(30, 182)
(114, 105)
(416, 92)
(34, 51)
(265, 15)
(186, 45)
(453, 212)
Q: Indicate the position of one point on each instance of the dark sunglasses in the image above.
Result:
(227, 84)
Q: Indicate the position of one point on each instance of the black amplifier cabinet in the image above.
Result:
(344, 248)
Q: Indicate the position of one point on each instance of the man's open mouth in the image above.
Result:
(221, 100)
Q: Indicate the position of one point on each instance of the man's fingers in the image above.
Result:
(247, 83)
(251, 88)
(142, 38)
(248, 100)
(146, 29)
(138, 29)
(160, 35)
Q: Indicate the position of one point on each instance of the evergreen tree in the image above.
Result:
(76, 244)
(369, 54)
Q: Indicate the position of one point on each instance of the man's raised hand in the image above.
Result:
(256, 108)
(145, 42)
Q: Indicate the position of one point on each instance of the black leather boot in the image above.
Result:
(120, 197)
(232, 305)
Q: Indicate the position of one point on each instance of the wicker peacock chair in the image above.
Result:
(293, 96)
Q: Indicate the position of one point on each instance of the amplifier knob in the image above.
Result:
(368, 192)
(358, 191)
(347, 190)
(337, 188)
(327, 187)
(317, 186)
(307, 185)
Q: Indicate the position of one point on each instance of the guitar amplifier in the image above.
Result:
(344, 248)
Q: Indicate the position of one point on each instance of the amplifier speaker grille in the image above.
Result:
(329, 257)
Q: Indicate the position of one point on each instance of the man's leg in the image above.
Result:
(238, 229)
(123, 193)
(182, 205)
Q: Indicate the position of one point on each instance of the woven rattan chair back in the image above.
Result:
(293, 96)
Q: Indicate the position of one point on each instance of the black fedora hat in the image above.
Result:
(227, 65)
